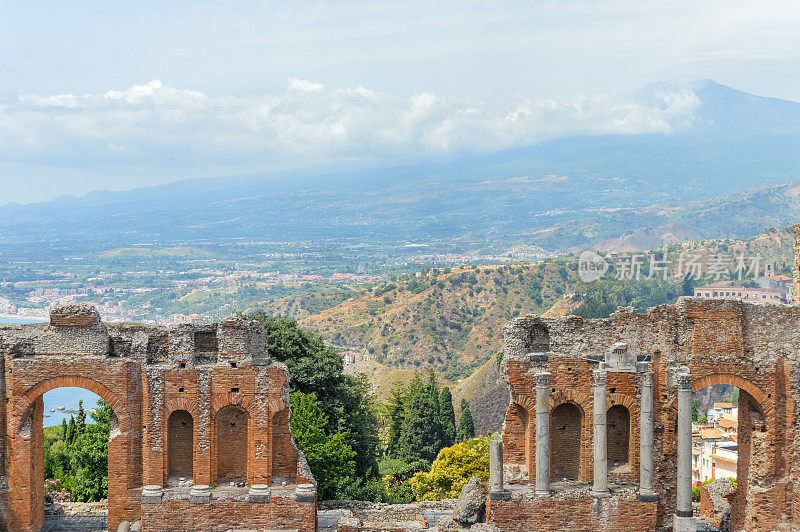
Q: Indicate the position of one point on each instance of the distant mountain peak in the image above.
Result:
(725, 111)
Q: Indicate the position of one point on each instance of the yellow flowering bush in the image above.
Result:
(452, 469)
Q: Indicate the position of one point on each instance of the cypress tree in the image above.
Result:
(447, 417)
(466, 428)
(419, 436)
(64, 429)
(433, 397)
(71, 430)
(80, 421)
(397, 406)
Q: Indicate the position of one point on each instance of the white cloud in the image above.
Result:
(308, 123)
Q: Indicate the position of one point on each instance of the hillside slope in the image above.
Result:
(452, 321)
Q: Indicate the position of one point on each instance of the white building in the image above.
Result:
(720, 409)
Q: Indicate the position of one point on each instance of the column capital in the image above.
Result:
(684, 381)
(599, 377)
(543, 379)
(647, 378)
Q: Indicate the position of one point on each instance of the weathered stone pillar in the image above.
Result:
(683, 512)
(543, 434)
(600, 445)
(646, 491)
(497, 489)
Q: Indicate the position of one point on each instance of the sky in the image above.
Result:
(114, 95)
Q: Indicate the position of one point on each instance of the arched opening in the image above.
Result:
(565, 441)
(729, 429)
(71, 427)
(180, 447)
(231, 444)
(618, 430)
(518, 440)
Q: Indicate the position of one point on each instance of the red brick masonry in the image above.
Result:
(203, 401)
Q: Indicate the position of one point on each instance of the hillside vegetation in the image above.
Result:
(452, 321)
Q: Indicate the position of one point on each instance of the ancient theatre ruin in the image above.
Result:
(598, 434)
(200, 438)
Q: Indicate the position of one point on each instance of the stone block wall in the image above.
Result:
(206, 400)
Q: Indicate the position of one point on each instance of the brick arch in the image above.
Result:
(584, 404)
(122, 454)
(180, 403)
(619, 437)
(34, 392)
(733, 380)
(276, 405)
(179, 457)
(580, 399)
(231, 398)
(172, 405)
(622, 399)
(567, 430)
(525, 402)
(244, 447)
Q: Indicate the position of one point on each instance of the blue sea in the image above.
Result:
(66, 397)
(18, 320)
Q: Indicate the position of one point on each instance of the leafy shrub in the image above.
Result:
(452, 469)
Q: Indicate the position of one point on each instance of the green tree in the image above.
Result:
(71, 430)
(90, 462)
(695, 415)
(419, 437)
(447, 417)
(397, 406)
(466, 428)
(80, 419)
(317, 369)
(80, 459)
(102, 415)
(328, 455)
(433, 398)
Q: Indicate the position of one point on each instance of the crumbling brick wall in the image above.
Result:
(167, 387)
(753, 347)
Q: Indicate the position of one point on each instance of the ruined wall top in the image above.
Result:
(690, 327)
(78, 330)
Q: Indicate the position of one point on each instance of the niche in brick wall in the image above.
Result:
(565, 441)
(231, 444)
(539, 339)
(618, 430)
(157, 348)
(205, 347)
(180, 444)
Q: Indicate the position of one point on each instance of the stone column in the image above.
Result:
(683, 512)
(646, 491)
(600, 445)
(497, 490)
(543, 434)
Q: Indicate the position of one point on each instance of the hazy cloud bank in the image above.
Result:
(156, 125)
